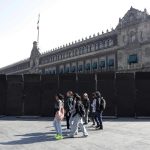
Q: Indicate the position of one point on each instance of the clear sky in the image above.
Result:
(61, 22)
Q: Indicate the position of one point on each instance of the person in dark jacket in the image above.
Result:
(86, 103)
(77, 118)
(68, 104)
(93, 108)
(99, 111)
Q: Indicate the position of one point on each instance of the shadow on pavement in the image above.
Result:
(32, 138)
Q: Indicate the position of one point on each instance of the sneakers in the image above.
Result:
(97, 127)
(70, 136)
(67, 130)
(85, 123)
(58, 137)
(85, 135)
(100, 127)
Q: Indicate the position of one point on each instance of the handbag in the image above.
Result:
(60, 114)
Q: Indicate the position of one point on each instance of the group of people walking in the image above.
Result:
(78, 112)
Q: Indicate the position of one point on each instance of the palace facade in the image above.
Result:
(123, 49)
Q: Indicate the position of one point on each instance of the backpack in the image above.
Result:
(102, 104)
(81, 110)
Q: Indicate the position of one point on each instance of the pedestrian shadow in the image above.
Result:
(31, 138)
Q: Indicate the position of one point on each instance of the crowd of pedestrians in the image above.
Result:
(78, 111)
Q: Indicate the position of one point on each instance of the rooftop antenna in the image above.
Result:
(38, 29)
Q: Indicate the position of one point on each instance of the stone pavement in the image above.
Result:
(38, 134)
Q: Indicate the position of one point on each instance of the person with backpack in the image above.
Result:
(77, 118)
(86, 103)
(68, 104)
(100, 106)
(58, 116)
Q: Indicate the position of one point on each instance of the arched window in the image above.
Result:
(80, 50)
(132, 36)
(89, 48)
(100, 45)
(96, 46)
(106, 43)
(93, 47)
(83, 49)
(141, 36)
(111, 42)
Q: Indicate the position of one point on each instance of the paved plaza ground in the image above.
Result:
(38, 134)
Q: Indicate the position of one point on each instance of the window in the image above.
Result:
(80, 51)
(102, 64)
(53, 72)
(141, 36)
(65, 56)
(67, 70)
(100, 45)
(111, 63)
(111, 42)
(89, 48)
(106, 43)
(92, 47)
(54, 58)
(94, 66)
(69, 53)
(77, 52)
(57, 57)
(96, 46)
(73, 69)
(61, 70)
(124, 39)
(133, 59)
(132, 36)
(83, 50)
(88, 66)
(80, 68)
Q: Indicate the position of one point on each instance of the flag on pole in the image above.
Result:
(38, 22)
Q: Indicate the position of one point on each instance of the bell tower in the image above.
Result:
(34, 58)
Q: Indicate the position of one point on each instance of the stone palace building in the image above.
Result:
(123, 49)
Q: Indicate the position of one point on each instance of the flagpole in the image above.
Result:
(38, 36)
(38, 29)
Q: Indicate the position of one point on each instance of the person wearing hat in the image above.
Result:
(86, 103)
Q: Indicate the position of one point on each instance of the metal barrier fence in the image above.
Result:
(126, 94)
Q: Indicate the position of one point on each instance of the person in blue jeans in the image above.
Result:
(58, 116)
